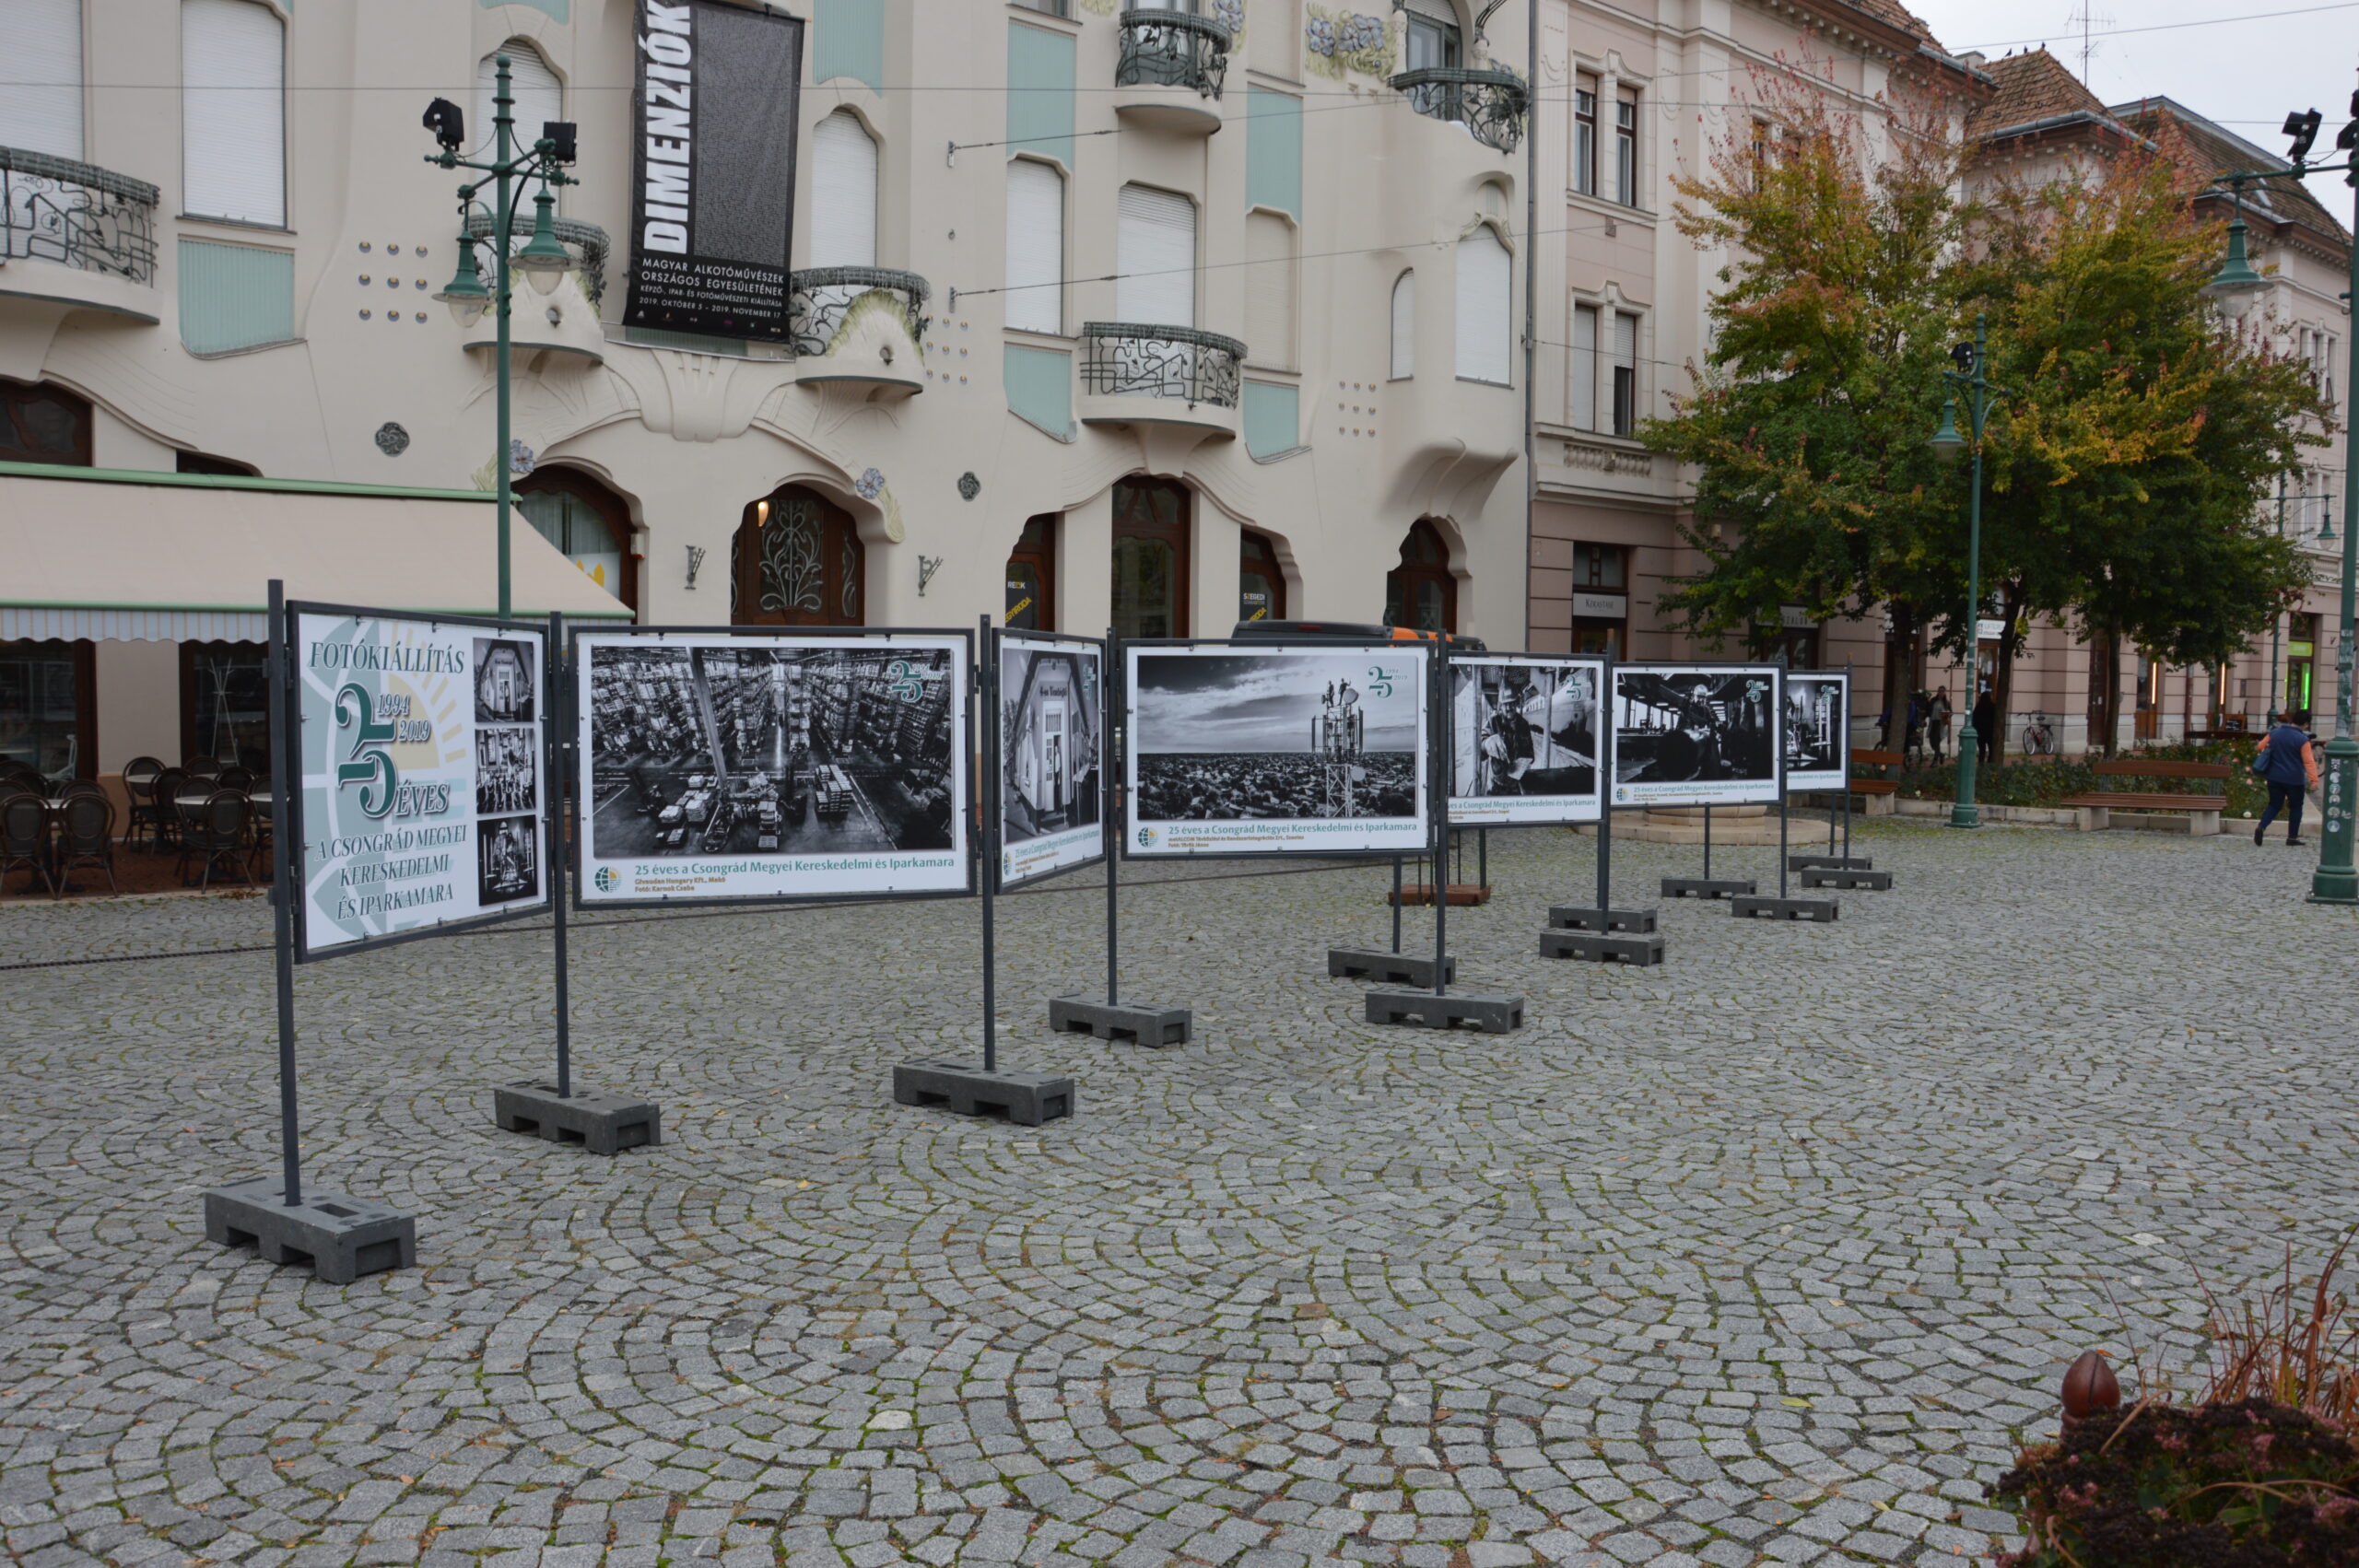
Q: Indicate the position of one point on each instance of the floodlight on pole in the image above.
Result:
(1947, 443)
(464, 294)
(544, 260)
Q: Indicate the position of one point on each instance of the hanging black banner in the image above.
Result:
(712, 168)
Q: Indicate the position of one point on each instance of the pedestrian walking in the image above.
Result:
(1937, 724)
(1986, 728)
(1913, 736)
(2289, 762)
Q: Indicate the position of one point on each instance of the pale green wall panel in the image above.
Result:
(1040, 91)
(235, 296)
(1039, 387)
(1274, 151)
(848, 40)
(1273, 418)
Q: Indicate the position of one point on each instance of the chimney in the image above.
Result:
(1976, 58)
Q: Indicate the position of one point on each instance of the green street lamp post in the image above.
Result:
(1972, 359)
(2235, 289)
(543, 259)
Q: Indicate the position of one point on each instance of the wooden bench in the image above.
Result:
(1870, 790)
(2094, 813)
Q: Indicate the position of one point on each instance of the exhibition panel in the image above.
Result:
(1818, 730)
(1695, 734)
(1527, 732)
(1051, 699)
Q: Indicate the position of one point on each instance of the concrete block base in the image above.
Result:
(1852, 881)
(1706, 887)
(1830, 862)
(1492, 1014)
(1820, 911)
(1148, 1022)
(1598, 948)
(1387, 968)
(1027, 1099)
(1581, 917)
(603, 1124)
(341, 1237)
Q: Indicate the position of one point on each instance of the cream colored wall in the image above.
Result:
(139, 683)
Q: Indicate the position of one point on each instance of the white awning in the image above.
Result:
(114, 556)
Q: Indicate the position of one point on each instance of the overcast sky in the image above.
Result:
(2248, 73)
(1265, 701)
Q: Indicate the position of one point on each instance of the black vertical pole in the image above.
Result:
(1396, 903)
(1605, 788)
(1846, 754)
(1784, 799)
(986, 691)
(558, 749)
(1438, 693)
(1482, 857)
(1110, 715)
(284, 773)
(1708, 843)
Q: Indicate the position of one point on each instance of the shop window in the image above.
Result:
(1420, 592)
(588, 524)
(48, 711)
(1260, 580)
(1151, 558)
(1032, 577)
(43, 424)
(799, 563)
(225, 703)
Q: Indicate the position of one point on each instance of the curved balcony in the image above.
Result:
(1134, 374)
(864, 324)
(97, 227)
(1489, 101)
(1170, 71)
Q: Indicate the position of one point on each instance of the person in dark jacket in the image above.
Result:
(2289, 762)
(1986, 728)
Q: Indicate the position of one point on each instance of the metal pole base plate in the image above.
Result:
(1830, 862)
(1820, 911)
(1706, 887)
(1145, 1023)
(1854, 880)
(1595, 948)
(1027, 1099)
(1386, 968)
(341, 1237)
(1492, 1014)
(603, 1124)
(1581, 917)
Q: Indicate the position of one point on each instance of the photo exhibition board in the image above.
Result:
(418, 753)
(1695, 734)
(721, 765)
(1268, 749)
(1526, 734)
(1818, 734)
(1051, 738)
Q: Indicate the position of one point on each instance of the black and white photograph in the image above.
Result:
(507, 767)
(504, 681)
(1818, 730)
(1525, 736)
(508, 860)
(1313, 749)
(805, 764)
(1051, 702)
(1695, 735)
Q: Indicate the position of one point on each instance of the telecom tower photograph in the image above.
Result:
(1283, 734)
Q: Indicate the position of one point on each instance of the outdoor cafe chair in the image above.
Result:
(201, 767)
(215, 835)
(164, 818)
(66, 789)
(139, 776)
(238, 779)
(85, 837)
(24, 839)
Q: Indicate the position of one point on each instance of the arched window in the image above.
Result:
(1151, 560)
(1485, 321)
(843, 192)
(1260, 580)
(538, 97)
(588, 524)
(799, 563)
(1420, 592)
(43, 424)
(233, 112)
(1404, 326)
(42, 111)
(1035, 246)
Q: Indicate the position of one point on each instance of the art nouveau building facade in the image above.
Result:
(1133, 318)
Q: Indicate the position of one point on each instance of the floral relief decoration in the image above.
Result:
(1348, 40)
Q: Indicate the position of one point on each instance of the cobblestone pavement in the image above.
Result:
(1766, 1256)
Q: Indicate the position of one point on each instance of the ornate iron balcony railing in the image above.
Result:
(1173, 49)
(56, 209)
(1125, 359)
(586, 238)
(1490, 102)
(821, 301)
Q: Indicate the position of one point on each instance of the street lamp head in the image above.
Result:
(2326, 523)
(465, 294)
(2235, 285)
(1947, 443)
(559, 134)
(449, 125)
(545, 259)
(2303, 128)
(1962, 355)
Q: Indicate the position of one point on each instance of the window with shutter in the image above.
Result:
(1269, 290)
(1625, 373)
(1484, 320)
(42, 111)
(1404, 326)
(1035, 246)
(233, 112)
(538, 97)
(1154, 253)
(843, 192)
(1584, 368)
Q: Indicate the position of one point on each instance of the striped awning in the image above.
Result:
(104, 624)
